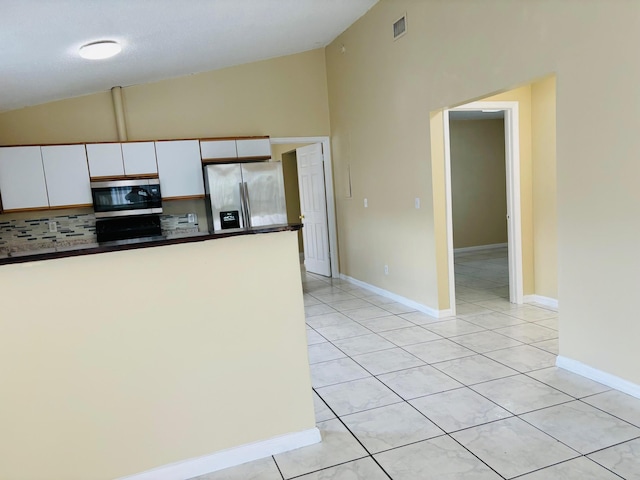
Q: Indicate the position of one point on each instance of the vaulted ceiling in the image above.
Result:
(39, 59)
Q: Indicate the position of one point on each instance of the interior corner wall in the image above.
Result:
(279, 97)
(478, 182)
(545, 217)
(292, 190)
(381, 93)
(438, 183)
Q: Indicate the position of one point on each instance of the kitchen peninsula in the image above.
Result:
(148, 355)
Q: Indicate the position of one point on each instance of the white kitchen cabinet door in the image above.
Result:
(258, 147)
(67, 175)
(22, 183)
(216, 149)
(139, 158)
(105, 159)
(180, 168)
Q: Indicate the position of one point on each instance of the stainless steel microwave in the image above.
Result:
(118, 198)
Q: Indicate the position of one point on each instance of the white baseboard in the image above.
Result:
(229, 457)
(480, 247)
(598, 376)
(546, 301)
(397, 298)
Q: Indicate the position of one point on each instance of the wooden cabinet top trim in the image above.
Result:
(207, 161)
(183, 197)
(142, 176)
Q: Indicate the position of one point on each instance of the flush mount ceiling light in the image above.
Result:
(100, 50)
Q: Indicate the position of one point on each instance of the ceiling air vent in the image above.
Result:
(400, 27)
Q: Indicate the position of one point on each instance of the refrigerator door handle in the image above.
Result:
(247, 204)
(243, 213)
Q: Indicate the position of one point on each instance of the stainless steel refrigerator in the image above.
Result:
(245, 195)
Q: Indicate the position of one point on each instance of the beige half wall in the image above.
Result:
(117, 363)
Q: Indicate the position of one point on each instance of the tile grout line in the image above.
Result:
(464, 385)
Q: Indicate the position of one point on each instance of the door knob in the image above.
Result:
(301, 217)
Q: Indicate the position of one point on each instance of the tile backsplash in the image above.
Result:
(18, 235)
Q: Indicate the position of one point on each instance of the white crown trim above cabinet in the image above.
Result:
(67, 175)
(180, 168)
(105, 159)
(139, 158)
(22, 183)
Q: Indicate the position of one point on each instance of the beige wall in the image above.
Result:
(478, 182)
(545, 218)
(285, 96)
(83, 119)
(148, 357)
(381, 92)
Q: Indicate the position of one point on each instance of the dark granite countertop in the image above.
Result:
(146, 242)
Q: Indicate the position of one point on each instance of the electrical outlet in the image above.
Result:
(53, 226)
(417, 203)
(191, 217)
(386, 269)
(366, 203)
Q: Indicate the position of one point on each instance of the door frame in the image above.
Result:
(328, 187)
(514, 213)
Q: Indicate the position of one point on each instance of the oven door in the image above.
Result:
(126, 197)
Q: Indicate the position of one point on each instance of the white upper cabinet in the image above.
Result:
(257, 147)
(67, 174)
(218, 149)
(22, 183)
(180, 168)
(105, 159)
(139, 158)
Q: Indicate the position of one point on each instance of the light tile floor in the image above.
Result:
(400, 395)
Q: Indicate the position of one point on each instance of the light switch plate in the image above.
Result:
(53, 226)
(417, 202)
(366, 203)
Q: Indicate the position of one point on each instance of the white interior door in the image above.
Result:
(313, 206)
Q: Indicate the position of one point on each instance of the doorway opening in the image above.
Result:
(483, 265)
(479, 206)
(309, 196)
